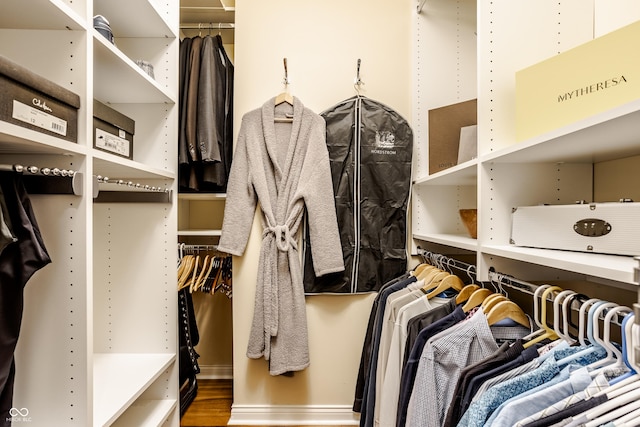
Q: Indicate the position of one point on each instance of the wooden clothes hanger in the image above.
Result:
(449, 282)
(426, 276)
(185, 270)
(507, 310)
(207, 264)
(548, 332)
(476, 299)
(466, 292)
(422, 267)
(433, 280)
(490, 301)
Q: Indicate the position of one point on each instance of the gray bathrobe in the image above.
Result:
(285, 167)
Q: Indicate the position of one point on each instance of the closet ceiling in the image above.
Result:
(208, 17)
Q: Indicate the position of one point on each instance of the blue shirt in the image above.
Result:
(571, 380)
(481, 409)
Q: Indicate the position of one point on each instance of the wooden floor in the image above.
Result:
(212, 405)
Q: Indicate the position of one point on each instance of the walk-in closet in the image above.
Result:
(98, 336)
(153, 213)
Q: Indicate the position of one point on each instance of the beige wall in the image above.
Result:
(322, 41)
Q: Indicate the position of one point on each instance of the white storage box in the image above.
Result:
(609, 228)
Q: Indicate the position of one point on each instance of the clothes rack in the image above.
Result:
(46, 180)
(125, 191)
(186, 248)
(497, 279)
(445, 262)
(209, 26)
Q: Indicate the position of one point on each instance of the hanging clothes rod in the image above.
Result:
(196, 248)
(444, 261)
(497, 279)
(131, 184)
(131, 192)
(39, 180)
(209, 26)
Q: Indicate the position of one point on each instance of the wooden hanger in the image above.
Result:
(476, 299)
(422, 267)
(491, 301)
(466, 292)
(206, 268)
(507, 310)
(449, 282)
(548, 333)
(183, 278)
(194, 273)
(284, 97)
(427, 275)
(435, 279)
(280, 99)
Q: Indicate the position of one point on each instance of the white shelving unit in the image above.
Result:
(481, 45)
(192, 224)
(98, 344)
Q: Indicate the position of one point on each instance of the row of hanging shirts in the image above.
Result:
(443, 382)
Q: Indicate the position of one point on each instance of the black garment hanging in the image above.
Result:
(370, 149)
(189, 337)
(18, 262)
(206, 115)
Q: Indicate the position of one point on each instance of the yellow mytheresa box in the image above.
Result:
(586, 80)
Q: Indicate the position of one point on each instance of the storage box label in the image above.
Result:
(581, 82)
(112, 143)
(41, 119)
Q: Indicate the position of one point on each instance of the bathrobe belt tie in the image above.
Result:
(282, 235)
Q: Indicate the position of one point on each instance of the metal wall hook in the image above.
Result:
(357, 83)
(285, 81)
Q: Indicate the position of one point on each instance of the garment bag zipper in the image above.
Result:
(356, 196)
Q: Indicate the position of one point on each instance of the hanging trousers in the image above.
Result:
(18, 262)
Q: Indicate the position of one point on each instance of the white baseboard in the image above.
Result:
(288, 415)
(215, 372)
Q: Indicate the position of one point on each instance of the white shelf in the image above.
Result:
(120, 81)
(120, 378)
(454, 240)
(16, 139)
(50, 15)
(200, 233)
(606, 136)
(612, 267)
(146, 413)
(116, 167)
(463, 174)
(202, 196)
(124, 18)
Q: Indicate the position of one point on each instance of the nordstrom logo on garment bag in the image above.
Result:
(385, 142)
(595, 87)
